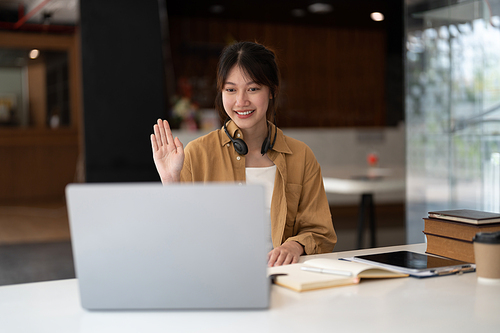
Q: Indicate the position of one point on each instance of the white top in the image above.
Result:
(263, 176)
(454, 303)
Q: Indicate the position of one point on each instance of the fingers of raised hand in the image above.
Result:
(156, 137)
(163, 135)
(168, 132)
(154, 144)
(178, 144)
(161, 129)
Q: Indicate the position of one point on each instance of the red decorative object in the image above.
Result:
(372, 159)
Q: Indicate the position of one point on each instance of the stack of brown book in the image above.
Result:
(450, 233)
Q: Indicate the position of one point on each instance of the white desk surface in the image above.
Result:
(442, 304)
(347, 181)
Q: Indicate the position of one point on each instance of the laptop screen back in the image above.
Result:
(185, 246)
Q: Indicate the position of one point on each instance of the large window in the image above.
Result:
(452, 108)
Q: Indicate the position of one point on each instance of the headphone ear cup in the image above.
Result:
(240, 146)
(265, 146)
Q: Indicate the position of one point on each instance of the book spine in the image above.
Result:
(462, 231)
(450, 229)
(450, 248)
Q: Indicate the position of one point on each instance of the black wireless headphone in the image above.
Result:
(241, 147)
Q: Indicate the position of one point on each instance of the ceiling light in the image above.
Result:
(298, 12)
(216, 9)
(320, 8)
(34, 54)
(376, 16)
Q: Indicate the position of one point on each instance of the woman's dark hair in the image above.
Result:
(256, 61)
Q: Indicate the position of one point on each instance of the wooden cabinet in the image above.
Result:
(36, 164)
(36, 161)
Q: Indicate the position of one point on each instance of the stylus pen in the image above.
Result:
(326, 271)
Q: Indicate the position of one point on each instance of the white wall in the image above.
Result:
(349, 146)
(343, 152)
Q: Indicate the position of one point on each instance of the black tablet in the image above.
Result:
(416, 264)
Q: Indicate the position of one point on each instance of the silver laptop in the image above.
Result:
(148, 246)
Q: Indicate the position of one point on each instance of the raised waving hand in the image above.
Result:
(168, 153)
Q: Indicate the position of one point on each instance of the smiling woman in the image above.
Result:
(245, 101)
(248, 84)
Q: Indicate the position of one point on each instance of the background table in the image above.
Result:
(364, 182)
(442, 304)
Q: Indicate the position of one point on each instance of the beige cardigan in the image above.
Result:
(299, 207)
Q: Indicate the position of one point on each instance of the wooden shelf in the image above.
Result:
(33, 136)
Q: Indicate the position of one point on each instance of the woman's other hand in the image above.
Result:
(287, 253)
(168, 153)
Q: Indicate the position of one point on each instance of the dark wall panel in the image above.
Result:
(123, 87)
(331, 77)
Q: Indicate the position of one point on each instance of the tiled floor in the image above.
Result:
(34, 262)
(35, 241)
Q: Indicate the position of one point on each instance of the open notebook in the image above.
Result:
(295, 278)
